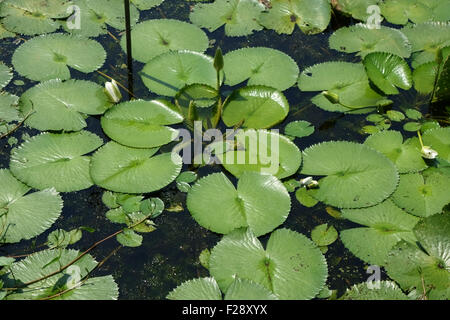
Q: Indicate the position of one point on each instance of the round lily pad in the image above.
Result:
(142, 124)
(260, 202)
(324, 235)
(196, 289)
(55, 160)
(299, 129)
(401, 11)
(5, 75)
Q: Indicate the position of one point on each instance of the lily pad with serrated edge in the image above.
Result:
(196, 289)
(154, 37)
(356, 176)
(146, 4)
(123, 169)
(50, 56)
(112, 12)
(260, 202)
(243, 289)
(142, 124)
(56, 105)
(291, 266)
(402, 11)
(8, 107)
(55, 160)
(387, 290)
(324, 235)
(355, 8)
(5, 75)
(299, 129)
(260, 66)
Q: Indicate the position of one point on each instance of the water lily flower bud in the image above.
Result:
(429, 153)
(113, 92)
(306, 181)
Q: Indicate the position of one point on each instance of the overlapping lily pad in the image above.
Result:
(311, 16)
(387, 290)
(196, 289)
(112, 12)
(439, 140)
(417, 11)
(5, 75)
(55, 160)
(142, 124)
(128, 170)
(171, 71)
(154, 37)
(57, 105)
(255, 107)
(260, 66)
(146, 4)
(240, 17)
(23, 215)
(356, 176)
(385, 225)
(8, 108)
(260, 202)
(48, 57)
(355, 8)
(291, 266)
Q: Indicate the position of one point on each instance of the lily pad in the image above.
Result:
(242, 289)
(55, 160)
(240, 17)
(299, 129)
(311, 16)
(48, 57)
(128, 170)
(385, 225)
(405, 155)
(260, 66)
(388, 290)
(324, 235)
(154, 37)
(260, 202)
(171, 71)
(57, 105)
(8, 108)
(255, 107)
(142, 124)
(423, 194)
(438, 139)
(362, 40)
(196, 289)
(112, 12)
(355, 8)
(291, 266)
(146, 4)
(5, 75)
(25, 215)
(417, 11)
(356, 176)
(262, 151)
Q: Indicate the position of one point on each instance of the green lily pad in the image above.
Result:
(240, 17)
(5, 75)
(242, 289)
(363, 40)
(385, 225)
(324, 235)
(146, 4)
(438, 139)
(255, 107)
(154, 37)
(388, 290)
(171, 71)
(406, 156)
(112, 12)
(48, 57)
(423, 194)
(356, 176)
(291, 266)
(303, 196)
(5, 33)
(260, 202)
(355, 8)
(55, 160)
(8, 108)
(23, 215)
(128, 170)
(257, 151)
(196, 289)
(129, 238)
(402, 11)
(311, 16)
(299, 129)
(260, 66)
(57, 105)
(142, 124)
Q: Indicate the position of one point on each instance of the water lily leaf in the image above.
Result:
(388, 71)
(169, 72)
(291, 266)
(196, 289)
(442, 92)
(303, 196)
(324, 103)
(311, 16)
(260, 202)
(91, 23)
(425, 267)
(154, 37)
(324, 235)
(8, 108)
(57, 105)
(255, 107)
(243, 289)
(262, 151)
(299, 129)
(260, 66)
(355, 8)
(363, 40)
(438, 139)
(60, 286)
(423, 194)
(240, 17)
(385, 225)
(142, 124)
(146, 4)
(55, 160)
(112, 12)
(5, 33)
(5, 75)
(406, 156)
(25, 216)
(48, 57)
(187, 176)
(402, 11)
(356, 176)
(32, 17)
(129, 238)
(388, 290)
(128, 170)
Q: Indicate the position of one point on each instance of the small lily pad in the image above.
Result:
(324, 235)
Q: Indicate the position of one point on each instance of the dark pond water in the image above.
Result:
(169, 255)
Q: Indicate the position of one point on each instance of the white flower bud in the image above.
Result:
(113, 92)
(429, 153)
